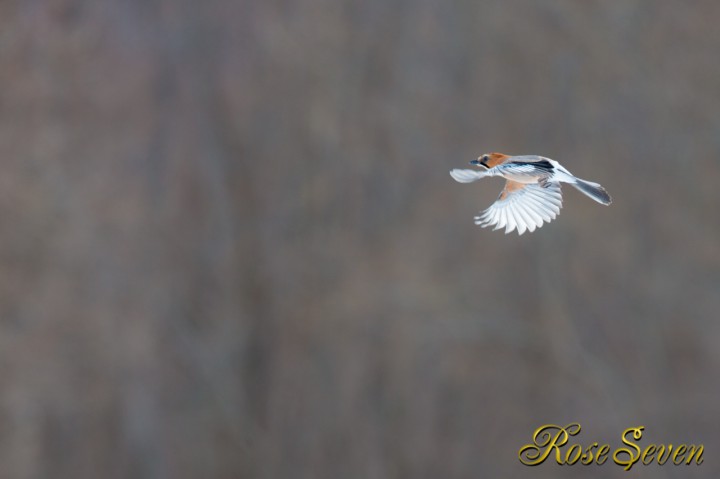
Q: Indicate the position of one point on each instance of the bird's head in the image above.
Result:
(488, 160)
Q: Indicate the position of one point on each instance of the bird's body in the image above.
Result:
(532, 194)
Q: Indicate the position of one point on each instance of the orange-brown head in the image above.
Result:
(488, 160)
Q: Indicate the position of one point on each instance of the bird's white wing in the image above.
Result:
(523, 171)
(523, 206)
(467, 176)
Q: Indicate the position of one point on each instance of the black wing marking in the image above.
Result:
(540, 165)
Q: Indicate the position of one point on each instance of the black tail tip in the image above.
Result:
(594, 191)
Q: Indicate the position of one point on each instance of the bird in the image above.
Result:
(532, 194)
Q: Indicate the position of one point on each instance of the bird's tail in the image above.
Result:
(593, 190)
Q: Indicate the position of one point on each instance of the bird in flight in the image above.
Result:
(532, 193)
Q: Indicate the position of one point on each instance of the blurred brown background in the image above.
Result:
(230, 246)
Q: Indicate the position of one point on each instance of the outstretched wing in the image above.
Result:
(524, 206)
(467, 176)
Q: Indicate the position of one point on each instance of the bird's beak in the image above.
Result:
(474, 162)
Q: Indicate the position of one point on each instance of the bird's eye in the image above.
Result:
(485, 158)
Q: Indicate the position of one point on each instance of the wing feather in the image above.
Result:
(529, 219)
(537, 207)
(512, 223)
(467, 176)
(522, 221)
(522, 207)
